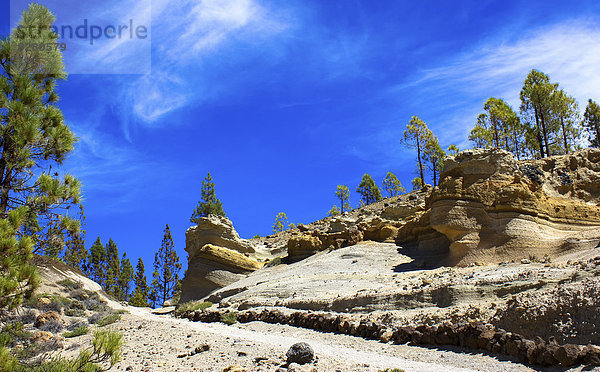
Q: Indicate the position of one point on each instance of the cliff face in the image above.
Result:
(489, 208)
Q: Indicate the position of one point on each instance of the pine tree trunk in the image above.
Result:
(545, 133)
(562, 124)
(538, 134)
(420, 163)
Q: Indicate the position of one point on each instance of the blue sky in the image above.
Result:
(282, 101)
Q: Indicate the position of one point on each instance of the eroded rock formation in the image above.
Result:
(217, 257)
(489, 208)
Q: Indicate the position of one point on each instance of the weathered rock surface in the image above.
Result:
(489, 207)
(300, 353)
(217, 256)
(218, 231)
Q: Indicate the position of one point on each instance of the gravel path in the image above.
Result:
(163, 343)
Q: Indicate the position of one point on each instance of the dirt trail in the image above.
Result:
(242, 344)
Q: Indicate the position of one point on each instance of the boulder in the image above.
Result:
(217, 257)
(300, 353)
(302, 246)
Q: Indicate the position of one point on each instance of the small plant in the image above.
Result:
(7, 362)
(57, 303)
(274, 262)
(12, 333)
(256, 236)
(52, 326)
(93, 302)
(104, 353)
(192, 306)
(391, 370)
(229, 318)
(75, 308)
(70, 284)
(109, 319)
(79, 331)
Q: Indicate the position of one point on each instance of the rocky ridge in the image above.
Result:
(503, 244)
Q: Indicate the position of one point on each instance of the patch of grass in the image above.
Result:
(229, 318)
(109, 319)
(93, 302)
(192, 306)
(121, 311)
(70, 284)
(57, 303)
(75, 308)
(274, 262)
(79, 331)
(391, 370)
(32, 301)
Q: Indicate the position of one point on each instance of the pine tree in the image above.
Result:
(75, 253)
(481, 134)
(18, 277)
(591, 123)
(97, 262)
(453, 150)
(280, 221)
(416, 136)
(536, 105)
(435, 156)
(392, 185)
(417, 183)
(153, 296)
(343, 193)
(368, 190)
(33, 138)
(166, 269)
(209, 204)
(334, 211)
(124, 279)
(565, 113)
(139, 297)
(112, 268)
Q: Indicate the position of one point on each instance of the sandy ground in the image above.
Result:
(163, 343)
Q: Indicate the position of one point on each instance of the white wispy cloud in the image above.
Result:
(569, 52)
(191, 34)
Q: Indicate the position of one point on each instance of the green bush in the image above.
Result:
(109, 319)
(229, 318)
(79, 331)
(192, 306)
(105, 353)
(7, 362)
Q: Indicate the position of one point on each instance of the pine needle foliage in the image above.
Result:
(33, 138)
(209, 203)
(166, 269)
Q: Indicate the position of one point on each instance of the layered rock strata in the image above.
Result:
(217, 257)
(489, 208)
